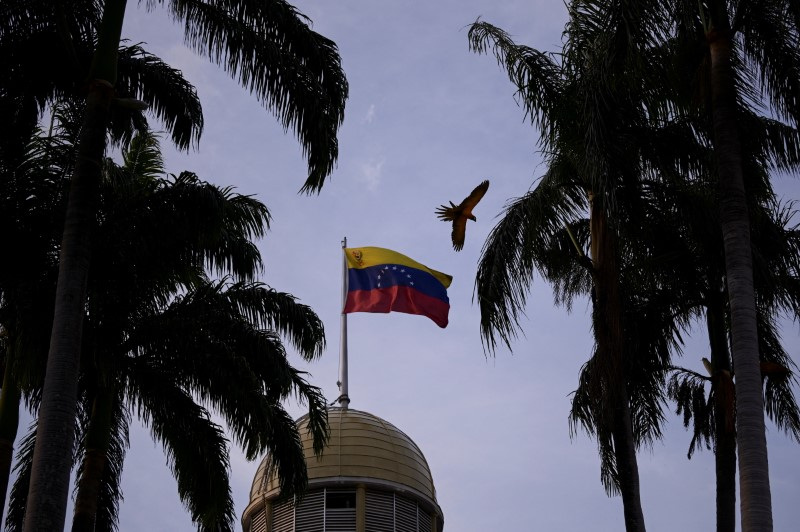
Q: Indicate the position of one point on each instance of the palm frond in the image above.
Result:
(281, 312)
(224, 222)
(271, 50)
(77, 16)
(196, 449)
(111, 493)
(169, 95)
(18, 498)
(506, 268)
(223, 359)
(586, 412)
(781, 406)
(110, 488)
(775, 144)
(771, 42)
(780, 403)
(536, 75)
(687, 389)
(198, 224)
(142, 159)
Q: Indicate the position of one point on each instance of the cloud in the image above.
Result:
(370, 114)
(371, 172)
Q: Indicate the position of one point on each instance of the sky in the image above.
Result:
(426, 121)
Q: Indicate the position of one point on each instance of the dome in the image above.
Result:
(362, 447)
(363, 450)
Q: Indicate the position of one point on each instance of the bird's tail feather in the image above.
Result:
(446, 213)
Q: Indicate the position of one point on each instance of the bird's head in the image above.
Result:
(472, 217)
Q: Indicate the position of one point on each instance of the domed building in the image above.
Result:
(370, 478)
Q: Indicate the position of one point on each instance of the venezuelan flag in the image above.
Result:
(382, 280)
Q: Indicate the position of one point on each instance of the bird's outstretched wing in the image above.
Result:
(474, 197)
(459, 232)
(459, 214)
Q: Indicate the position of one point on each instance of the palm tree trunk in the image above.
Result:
(628, 470)
(724, 430)
(756, 503)
(52, 461)
(94, 464)
(607, 318)
(9, 423)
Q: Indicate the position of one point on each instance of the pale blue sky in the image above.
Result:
(427, 121)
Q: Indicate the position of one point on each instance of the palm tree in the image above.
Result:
(205, 344)
(270, 49)
(776, 251)
(34, 166)
(770, 146)
(236, 367)
(31, 191)
(708, 403)
(749, 54)
(779, 82)
(693, 253)
(589, 119)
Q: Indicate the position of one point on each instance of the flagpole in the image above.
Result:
(344, 399)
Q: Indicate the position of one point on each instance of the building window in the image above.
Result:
(340, 511)
(334, 510)
(340, 499)
(325, 510)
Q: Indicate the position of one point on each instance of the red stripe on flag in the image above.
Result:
(398, 299)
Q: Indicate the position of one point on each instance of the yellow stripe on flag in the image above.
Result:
(372, 256)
